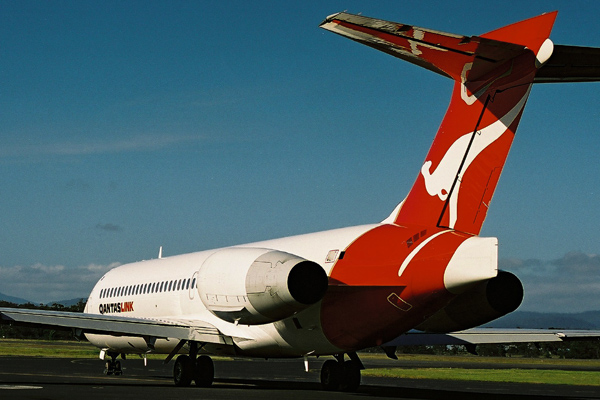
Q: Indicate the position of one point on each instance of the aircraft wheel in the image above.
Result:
(205, 371)
(331, 375)
(183, 371)
(108, 368)
(118, 369)
(351, 377)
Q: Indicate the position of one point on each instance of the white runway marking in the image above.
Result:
(18, 387)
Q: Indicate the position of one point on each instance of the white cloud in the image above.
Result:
(568, 284)
(109, 227)
(44, 283)
(141, 143)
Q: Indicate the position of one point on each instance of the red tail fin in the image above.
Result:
(493, 74)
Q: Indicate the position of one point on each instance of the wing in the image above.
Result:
(492, 336)
(195, 330)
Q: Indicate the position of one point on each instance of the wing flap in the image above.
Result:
(114, 325)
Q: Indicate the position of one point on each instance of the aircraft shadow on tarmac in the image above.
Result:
(366, 390)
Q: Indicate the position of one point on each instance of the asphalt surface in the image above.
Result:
(46, 378)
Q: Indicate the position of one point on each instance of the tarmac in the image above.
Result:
(55, 378)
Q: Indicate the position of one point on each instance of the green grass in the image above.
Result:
(548, 377)
(468, 358)
(60, 349)
(47, 348)
(457, 372)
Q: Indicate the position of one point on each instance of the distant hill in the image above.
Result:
(18, 300)
(68, 303)
(536, 320)
(13, 299)
(592, 316)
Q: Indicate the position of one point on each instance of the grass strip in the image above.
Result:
(42, 348)
(61, 349)
(467, 358)
(547, 377)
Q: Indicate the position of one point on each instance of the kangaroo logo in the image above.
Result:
(439, 182)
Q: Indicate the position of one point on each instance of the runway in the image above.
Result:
(50, 378)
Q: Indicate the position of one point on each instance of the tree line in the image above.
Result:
(8, 331)
(585, 349)
(581, 349)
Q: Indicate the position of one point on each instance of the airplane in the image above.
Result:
(424, 269)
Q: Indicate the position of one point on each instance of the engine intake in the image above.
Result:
(256, 286)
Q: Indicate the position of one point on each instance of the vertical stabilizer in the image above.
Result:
(492, 76)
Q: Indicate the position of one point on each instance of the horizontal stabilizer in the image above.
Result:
(571, 64)
(441, 52)
(446, 53)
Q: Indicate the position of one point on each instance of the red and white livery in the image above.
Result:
(423, 268)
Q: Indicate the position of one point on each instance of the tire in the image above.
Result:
(183, 371)
(118, 369)
(331, 375)
(351, 377)
(205, 371)
(108, 368)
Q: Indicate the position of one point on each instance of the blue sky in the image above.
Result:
(126, 126)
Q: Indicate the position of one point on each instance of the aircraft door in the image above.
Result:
(193, 286)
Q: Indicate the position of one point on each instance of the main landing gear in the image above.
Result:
(341, 375)
(199, 369)
(113, 366)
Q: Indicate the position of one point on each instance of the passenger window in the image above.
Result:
(194, 283)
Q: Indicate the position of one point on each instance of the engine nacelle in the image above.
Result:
(484, 303)
(254, 286)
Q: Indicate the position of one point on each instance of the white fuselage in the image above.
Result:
(167, 288)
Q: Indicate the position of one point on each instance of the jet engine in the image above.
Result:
(485, 302)
(254, 286)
